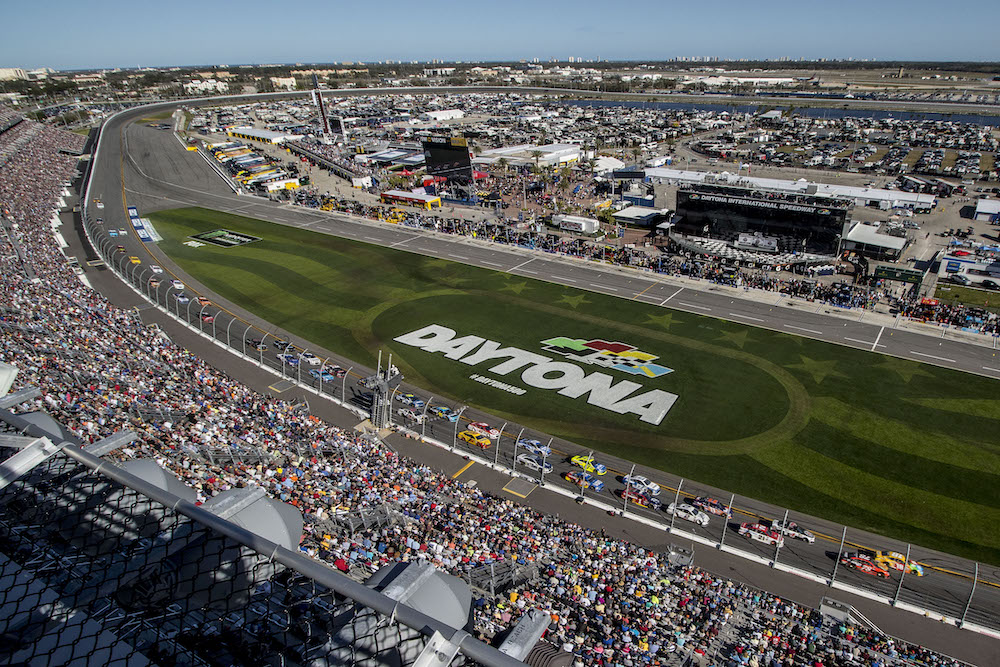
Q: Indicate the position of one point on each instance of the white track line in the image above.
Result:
(534, 273)
(866, 343)
(613, 289)
(563, 278)
(522, 264)
(672, 296)
(693, 305)
(995, 370)
(492, 263)
(932, 356)
(746, 317)
(812, 331)
(372, 238)
(457, 256)
(877, 338)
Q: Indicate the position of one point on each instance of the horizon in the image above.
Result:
(122, 35)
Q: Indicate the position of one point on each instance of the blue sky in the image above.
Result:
(112, 33)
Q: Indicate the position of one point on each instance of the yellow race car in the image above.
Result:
(476, 439)
(589, 464)
(893, 560)
(135, 260)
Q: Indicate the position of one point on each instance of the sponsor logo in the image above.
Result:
(225, 238)
(619, 356)
(542, 372)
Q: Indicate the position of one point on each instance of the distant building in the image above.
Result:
(439, 71)
(199, 87)
(284, 82)
(12, 74)
(444, 114)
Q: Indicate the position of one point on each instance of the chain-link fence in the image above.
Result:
(109, 565)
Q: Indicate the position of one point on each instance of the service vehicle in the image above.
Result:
(473, 438)
(640, 499)
(532, 462)
(444, 412)
(535, 447)
(688, 513)
(863, 563)
(641, 484)
(484, 429)
(589, 464)
(761, 533)
(411, 400)
(584, 480)
(712, 506)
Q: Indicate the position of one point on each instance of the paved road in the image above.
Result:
(159, 174)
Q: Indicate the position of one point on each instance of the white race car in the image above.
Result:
(761, 533)
(310, 358)
(482, 428)
(411, 414)
(642, 484)
(533, 462)
(535, 447)
(792, 529)
(688, 513)
(176, 284)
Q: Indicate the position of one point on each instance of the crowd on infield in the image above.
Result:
(100, 370)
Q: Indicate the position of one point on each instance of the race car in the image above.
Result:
(310, 358)
(640, 499)
(156, 268)
(761, 533)
(176, 284)
(369, 382)
(288, 359)
(256, 343)
(589, 464)
(793, 530)
(586, 481)
(120, 249)
(113, 233)
(122, 232)
(473, 438)
(863, 563)
(893, 560)
(444, 412)
(335, 370)
(711, 505)
(532, 462)
(154, 282)
(135, 260)
(641, 484)
(207, 317)
(281, 344)
(100, 221)
(203, 301)
(321, 375)
(411, 400)
(535, 447)
(411, 414)
(98, 203)
(484, 429)
(181, 297)
(688, 513)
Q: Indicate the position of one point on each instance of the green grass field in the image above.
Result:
(956, 294)
(897, 447)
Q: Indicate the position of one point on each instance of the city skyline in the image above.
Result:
(118, 34)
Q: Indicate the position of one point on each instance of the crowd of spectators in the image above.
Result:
(611, 602)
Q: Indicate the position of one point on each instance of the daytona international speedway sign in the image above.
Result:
(567, 379)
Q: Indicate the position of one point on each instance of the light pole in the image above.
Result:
(322, 372)
(499, 440)
(777, 545)
(677, 499)
(298, 368)
(458, 419)
(392, 397)
(545, 458)
(517, 443)
(840, 552)
(187, 311)
(245, 334)
(906, 564)
(725, 520)
(229, 340)
(201, 319)
(343, 385)
(423, 417)
(261, 347)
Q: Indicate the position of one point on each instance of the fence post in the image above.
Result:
(725, 520)
(975, 578)
(902, 574)
(781, 533)
(836, 560)
(677, 499)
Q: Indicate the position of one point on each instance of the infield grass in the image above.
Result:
(900, 448)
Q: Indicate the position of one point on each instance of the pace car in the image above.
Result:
(484, 429)
(411, 400)
(535, 447)
(532, 462)
(476, 439)
(761, 533)
(640, 499)
(712, 506)
(589, 464)
(863, 563)
(642, 484)
(584, 480)
(688, 513)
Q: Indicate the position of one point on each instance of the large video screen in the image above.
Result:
(449, 158)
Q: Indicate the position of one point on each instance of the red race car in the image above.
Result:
(711, 505)
(863, 563)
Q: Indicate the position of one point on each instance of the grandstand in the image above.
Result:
(121, 539)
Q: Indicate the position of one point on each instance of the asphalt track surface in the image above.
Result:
(158, 174)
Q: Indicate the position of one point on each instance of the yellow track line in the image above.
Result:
(464, 468)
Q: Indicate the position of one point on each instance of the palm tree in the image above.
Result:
(535, 154)
(503, 164)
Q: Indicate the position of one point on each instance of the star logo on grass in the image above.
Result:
(819, 370)
(737, 338)
(516, 288)
(664, 320)
(905, 369)
(573, 301)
